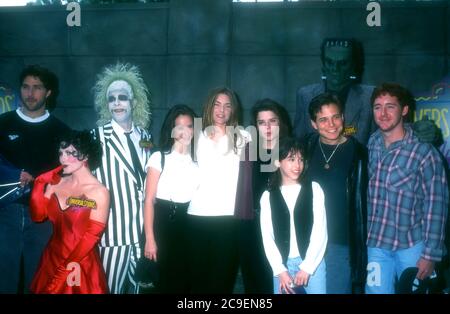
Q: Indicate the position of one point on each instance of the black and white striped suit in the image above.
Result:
(119, 246)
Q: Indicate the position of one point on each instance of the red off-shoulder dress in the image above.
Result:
(70, 226)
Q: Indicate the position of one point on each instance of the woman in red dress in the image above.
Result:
(78, 206)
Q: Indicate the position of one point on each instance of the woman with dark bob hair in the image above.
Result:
(78, 207)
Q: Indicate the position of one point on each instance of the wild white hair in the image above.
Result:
(140, 103)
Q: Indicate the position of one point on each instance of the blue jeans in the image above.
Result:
(384, 266)
(317, 281)
(339, 275)
(20, 237)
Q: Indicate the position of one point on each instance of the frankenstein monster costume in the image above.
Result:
(340, 67)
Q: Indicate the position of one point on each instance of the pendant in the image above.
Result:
(327, 166)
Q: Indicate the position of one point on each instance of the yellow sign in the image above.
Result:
(8, 100)
(79, 202)
(350, 130)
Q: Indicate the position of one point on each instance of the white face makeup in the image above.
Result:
(68, 157)
(119, 104)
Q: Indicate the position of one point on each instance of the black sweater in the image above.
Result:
(30, 146)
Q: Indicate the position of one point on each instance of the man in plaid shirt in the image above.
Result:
(407, 195)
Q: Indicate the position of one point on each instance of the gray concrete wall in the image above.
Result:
(185, 47)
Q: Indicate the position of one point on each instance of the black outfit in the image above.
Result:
(345, 188)
(255, 268)
(170, 234)
(30, 146)
(333, 182)
(214, 272)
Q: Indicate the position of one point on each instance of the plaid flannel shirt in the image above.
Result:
(407, 195)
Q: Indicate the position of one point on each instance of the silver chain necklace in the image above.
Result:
(327, 160)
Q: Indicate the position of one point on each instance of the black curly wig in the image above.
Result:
(85, 144)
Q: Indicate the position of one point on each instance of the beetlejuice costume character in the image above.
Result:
(123, 104)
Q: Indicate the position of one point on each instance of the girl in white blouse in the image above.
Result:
(293, 224)
(172, 178)
(211, 222)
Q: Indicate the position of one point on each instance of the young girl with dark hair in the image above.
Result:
(293, 224)
(171, 181)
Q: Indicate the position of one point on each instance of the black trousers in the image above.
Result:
(255, 268)
(213, 256)
(170, 235)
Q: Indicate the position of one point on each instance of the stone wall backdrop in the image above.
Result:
(186, 47)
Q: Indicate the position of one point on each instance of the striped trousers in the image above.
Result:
(119, 263)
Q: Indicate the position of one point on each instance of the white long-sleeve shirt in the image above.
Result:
(218, 168)
(319, 235)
